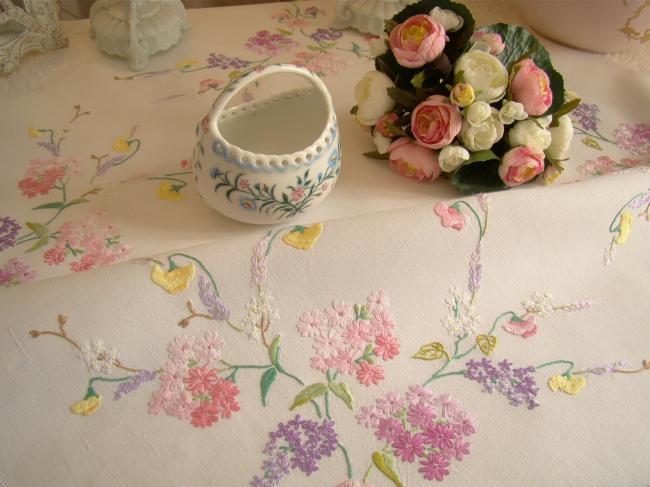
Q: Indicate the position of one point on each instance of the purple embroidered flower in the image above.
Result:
(633, 137)
(103, 167)
(16, 271)
(222, 61)
(296, 444)
(266, 44)
(133, 383)
(326, 35)
(586, 116)
(517, 384)
(51, 148)
(475, 270)
(8, 231)
(217, 309)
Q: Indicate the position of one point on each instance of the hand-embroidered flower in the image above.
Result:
(516, 384)
(450, 216)
(8, 230)
(524, 328)
(166, 191)
(461, 319)
(569, 385)
(16, 271)
(215, 306)
(260, 311)
(99, 357)
(174, 281)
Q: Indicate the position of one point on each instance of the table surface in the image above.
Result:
(188, 338)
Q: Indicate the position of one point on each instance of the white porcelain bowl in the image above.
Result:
(268, 160)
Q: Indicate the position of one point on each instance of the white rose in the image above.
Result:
(477, 113)
(530, 134)
(378, 46)
(483, 136)
(372, 97)
(451, 157)
(485, 73)
(381, 142)
(560, 139)
(512, 111)
(448, 19)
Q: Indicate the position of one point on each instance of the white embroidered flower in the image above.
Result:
(379, 299)
(608, 258)
(461, 319)
(99, 357)
(538, 303)
(260, 311)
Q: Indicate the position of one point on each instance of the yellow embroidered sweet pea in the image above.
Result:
(121, 145)
(166, 192)
(303, 238)
(187, 63)
(624, 228)
(569, 385)
(174, 281)
(34, 132)
(88, 406)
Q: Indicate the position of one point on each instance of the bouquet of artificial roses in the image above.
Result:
(486, 106)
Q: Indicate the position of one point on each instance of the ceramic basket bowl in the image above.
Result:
(268, 160)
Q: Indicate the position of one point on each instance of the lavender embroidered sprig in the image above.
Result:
(133, 383)
(517, 384)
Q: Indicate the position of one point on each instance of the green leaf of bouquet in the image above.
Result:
(418, 79)
(376, 155)
(389, 25)
(48, 206)
(386, 464)
(342, 391)
(309, 393)
(39, 243)
(478, 178)
(38, 228)
(565, 109)
(457, 40)
(480, 156)
(519, 44)
(403, 98)
(265, 383)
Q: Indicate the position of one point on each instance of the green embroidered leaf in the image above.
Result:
(285, 32)
(48, 206)
(486, 343)
(274, 353)
(520, 44)
(38, 228)
(308, 393)
(565, 109)
(76, 201)
(342, 391)
(591, 142)
(386, 464)
(265, 383)
(361, 312)
(431, 351)
(39, 243)
(376, 155)
(478, 177)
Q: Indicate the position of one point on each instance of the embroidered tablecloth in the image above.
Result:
(410, 337)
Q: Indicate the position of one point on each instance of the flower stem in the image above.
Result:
(366, 476)
(347, 460)
(478, 218)
(327, 406)
(554, 362)
(611, 226)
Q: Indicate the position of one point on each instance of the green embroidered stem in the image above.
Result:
(104, 379)
(494, 325)
(478, 218)
(275, 235)
(366, 476)
(327, 406)
(611, 226)
(183, 173)
(347, 460)
(554, 362)
(458, 372)
(163, 178)
(437, 372)
(595, 134)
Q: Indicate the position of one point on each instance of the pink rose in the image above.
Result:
(413, 161)
(381, 123)
(493, 40)
(521, 164)
(435, 122)
(417, 41)
(531, 87)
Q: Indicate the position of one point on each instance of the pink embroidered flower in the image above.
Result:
(368, 373)
(200, 379)
(463, 423)
(388, 429)
(421, 415)
(358, 333)
(450, 216)
(435, 122)
(54, 256)
(447, 404)
(382, 321)
(321, 63)
(223, 394)
(340, 314)
(413, 161)
(440, 436)
(461, 449)
(435, 466)
(209, 347)
(387, 346)
(156, 403)
(391, 404)
(205, 415)
(418, 41)
(182, 349)
(344, 360)
(524, 328)
(377, 301)
(311, 324)
(87, 262)
(408, 446)
(266, 44)
(208, 84)
(328, 343)
(531, 87)
(418, 394)
(297, 194)
(368, 416)
(319, 363)
(297, 24)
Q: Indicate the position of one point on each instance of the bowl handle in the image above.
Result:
(223, 99)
